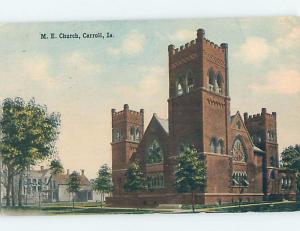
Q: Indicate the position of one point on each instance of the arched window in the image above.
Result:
(220, 147)
(219, 84)
(211, 79)
(137, 134)
(132, 133)
(190, 81)
(239, 150)
(154, 153)
(213, 145)
(179, 89)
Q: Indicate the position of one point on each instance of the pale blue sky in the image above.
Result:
(83, 79)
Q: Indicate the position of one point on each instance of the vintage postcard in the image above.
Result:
(150, 116)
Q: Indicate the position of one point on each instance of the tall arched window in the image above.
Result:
(132, 133)
(213, 145)
(137, 134)
(211, 79)
(179, 90)
(239, 151)
(154, 153)
(219, 84)
(190, 81)
(220, 147)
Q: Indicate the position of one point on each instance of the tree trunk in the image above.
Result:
(20, 189)
(193, 201)
(13, 198)
(8, 189)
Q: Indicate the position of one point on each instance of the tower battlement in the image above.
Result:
(126, 112)
(200, 39)
(259, 116)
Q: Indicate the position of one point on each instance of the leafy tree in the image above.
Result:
(135, 180)
(103, 182)
(29, 133)
(56, 167)
(190, 174)
(291, 160)
(73, 184)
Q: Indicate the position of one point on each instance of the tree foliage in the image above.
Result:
(103, 182)
(291, 157)
(56, 167)
(135, 180)
(28, 134)
(190, 174)
(291, 160)
(74, 182)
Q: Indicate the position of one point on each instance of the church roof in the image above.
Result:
(163, 122)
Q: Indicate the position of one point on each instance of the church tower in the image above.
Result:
(127, 131)
(263, 131)
(199, 103)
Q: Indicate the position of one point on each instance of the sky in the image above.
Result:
(84, 78)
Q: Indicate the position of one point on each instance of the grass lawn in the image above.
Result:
(284, 206)
(95, 208)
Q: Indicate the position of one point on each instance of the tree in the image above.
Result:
(103, 182)
(190, 174)
(135, 180)
(291, 160)
(56, 167)
(29, 133)
(73, 184)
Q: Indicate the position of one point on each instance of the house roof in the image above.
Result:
(256, 149)
(63, 179)
(163, 122)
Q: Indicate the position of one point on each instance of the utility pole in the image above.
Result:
(0, 182)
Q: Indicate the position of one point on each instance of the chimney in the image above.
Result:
(82, 172)
(42, 168)
(126, 107)
(264, 110)
(68, 171)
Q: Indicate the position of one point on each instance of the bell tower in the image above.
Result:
(199, 100)
(199, 105)
(127, 131)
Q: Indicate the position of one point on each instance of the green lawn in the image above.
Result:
(95, 208)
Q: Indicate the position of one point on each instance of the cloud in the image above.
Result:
(183, 35)
(255, 50)
(132, 44)
(151, 92)
(289, 40)
(282, 81)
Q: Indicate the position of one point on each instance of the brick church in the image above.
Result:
(241, 152)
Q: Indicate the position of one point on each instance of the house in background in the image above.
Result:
(59, 188)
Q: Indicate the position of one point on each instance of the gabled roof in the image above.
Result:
(238, 116)
(164, 123)
(63, 179)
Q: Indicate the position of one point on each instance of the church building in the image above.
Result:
(241, 151)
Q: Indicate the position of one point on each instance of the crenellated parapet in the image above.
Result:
(259, 116)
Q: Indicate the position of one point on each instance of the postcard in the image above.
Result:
(150, 116)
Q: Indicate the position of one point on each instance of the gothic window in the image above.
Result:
(132, 133)
(238, 124)
(240, 179)
(239, 151)
(190, 81)
(137, 134)
(273, 161)
(211, 80)
(219, 84)
(220, 147)
(155, 180)
(179, 89)
(117, 136)
(213, 145)
(154, 153)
